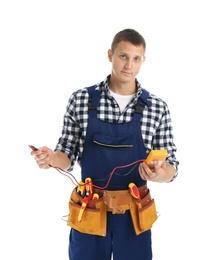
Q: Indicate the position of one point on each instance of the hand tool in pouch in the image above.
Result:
(89, 188)
(134, 191)
(95, 196)
(81, 188)
(88, 196)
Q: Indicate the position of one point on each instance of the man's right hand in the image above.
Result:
(44, 157)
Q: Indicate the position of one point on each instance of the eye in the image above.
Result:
(123, 56)
(138, 59)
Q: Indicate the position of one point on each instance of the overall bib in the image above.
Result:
(108, 145)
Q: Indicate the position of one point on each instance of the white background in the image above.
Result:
(48, 49)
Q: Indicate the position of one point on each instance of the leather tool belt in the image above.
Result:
(143, 211)
(118, 201)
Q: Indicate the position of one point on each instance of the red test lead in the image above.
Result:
(33, 147)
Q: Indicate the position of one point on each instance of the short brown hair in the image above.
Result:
(128, 35)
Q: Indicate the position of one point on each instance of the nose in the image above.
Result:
(128, 64)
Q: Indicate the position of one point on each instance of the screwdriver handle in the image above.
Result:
(95, 196)
(134, 191)
(81, 188)
(89, 188)
(82, 209)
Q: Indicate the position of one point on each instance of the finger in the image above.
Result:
(37, 152)
(43, 164)
(142, 172)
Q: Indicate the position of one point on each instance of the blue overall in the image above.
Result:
(106, 146)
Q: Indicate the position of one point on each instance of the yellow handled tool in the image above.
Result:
(81, 188)
(83, 206)
(88, 196)
(134, 191)
(95, 196)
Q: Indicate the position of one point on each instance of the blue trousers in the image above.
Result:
(120, 243)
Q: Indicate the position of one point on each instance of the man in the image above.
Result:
(115, 123)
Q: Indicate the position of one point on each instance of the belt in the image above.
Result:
(118, 201)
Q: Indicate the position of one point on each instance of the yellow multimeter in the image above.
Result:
(156, 155)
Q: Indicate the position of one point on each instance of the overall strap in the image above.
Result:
(94, 98)
(141, 103)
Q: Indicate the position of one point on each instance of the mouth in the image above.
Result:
(126, 73)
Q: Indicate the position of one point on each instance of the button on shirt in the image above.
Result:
(156, 125)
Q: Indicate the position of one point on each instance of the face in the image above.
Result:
(126, 62)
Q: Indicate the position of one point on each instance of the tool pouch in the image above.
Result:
(94, 219)
(143, 213)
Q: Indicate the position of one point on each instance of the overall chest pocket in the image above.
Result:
(119, 141)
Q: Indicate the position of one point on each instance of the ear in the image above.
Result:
(110, 55)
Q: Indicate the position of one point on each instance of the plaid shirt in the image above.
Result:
(156, 123)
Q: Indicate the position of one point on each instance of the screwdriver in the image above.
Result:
(134, 191)
(89, 188)
(83, 206)
(87, 198)
(95, 196)
(81, 188)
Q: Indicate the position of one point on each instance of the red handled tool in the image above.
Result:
(84, 201)
(83, 206)
(87, 198)
(134, 191)
(89, 188)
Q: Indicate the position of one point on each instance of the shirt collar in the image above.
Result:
(106, 87)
